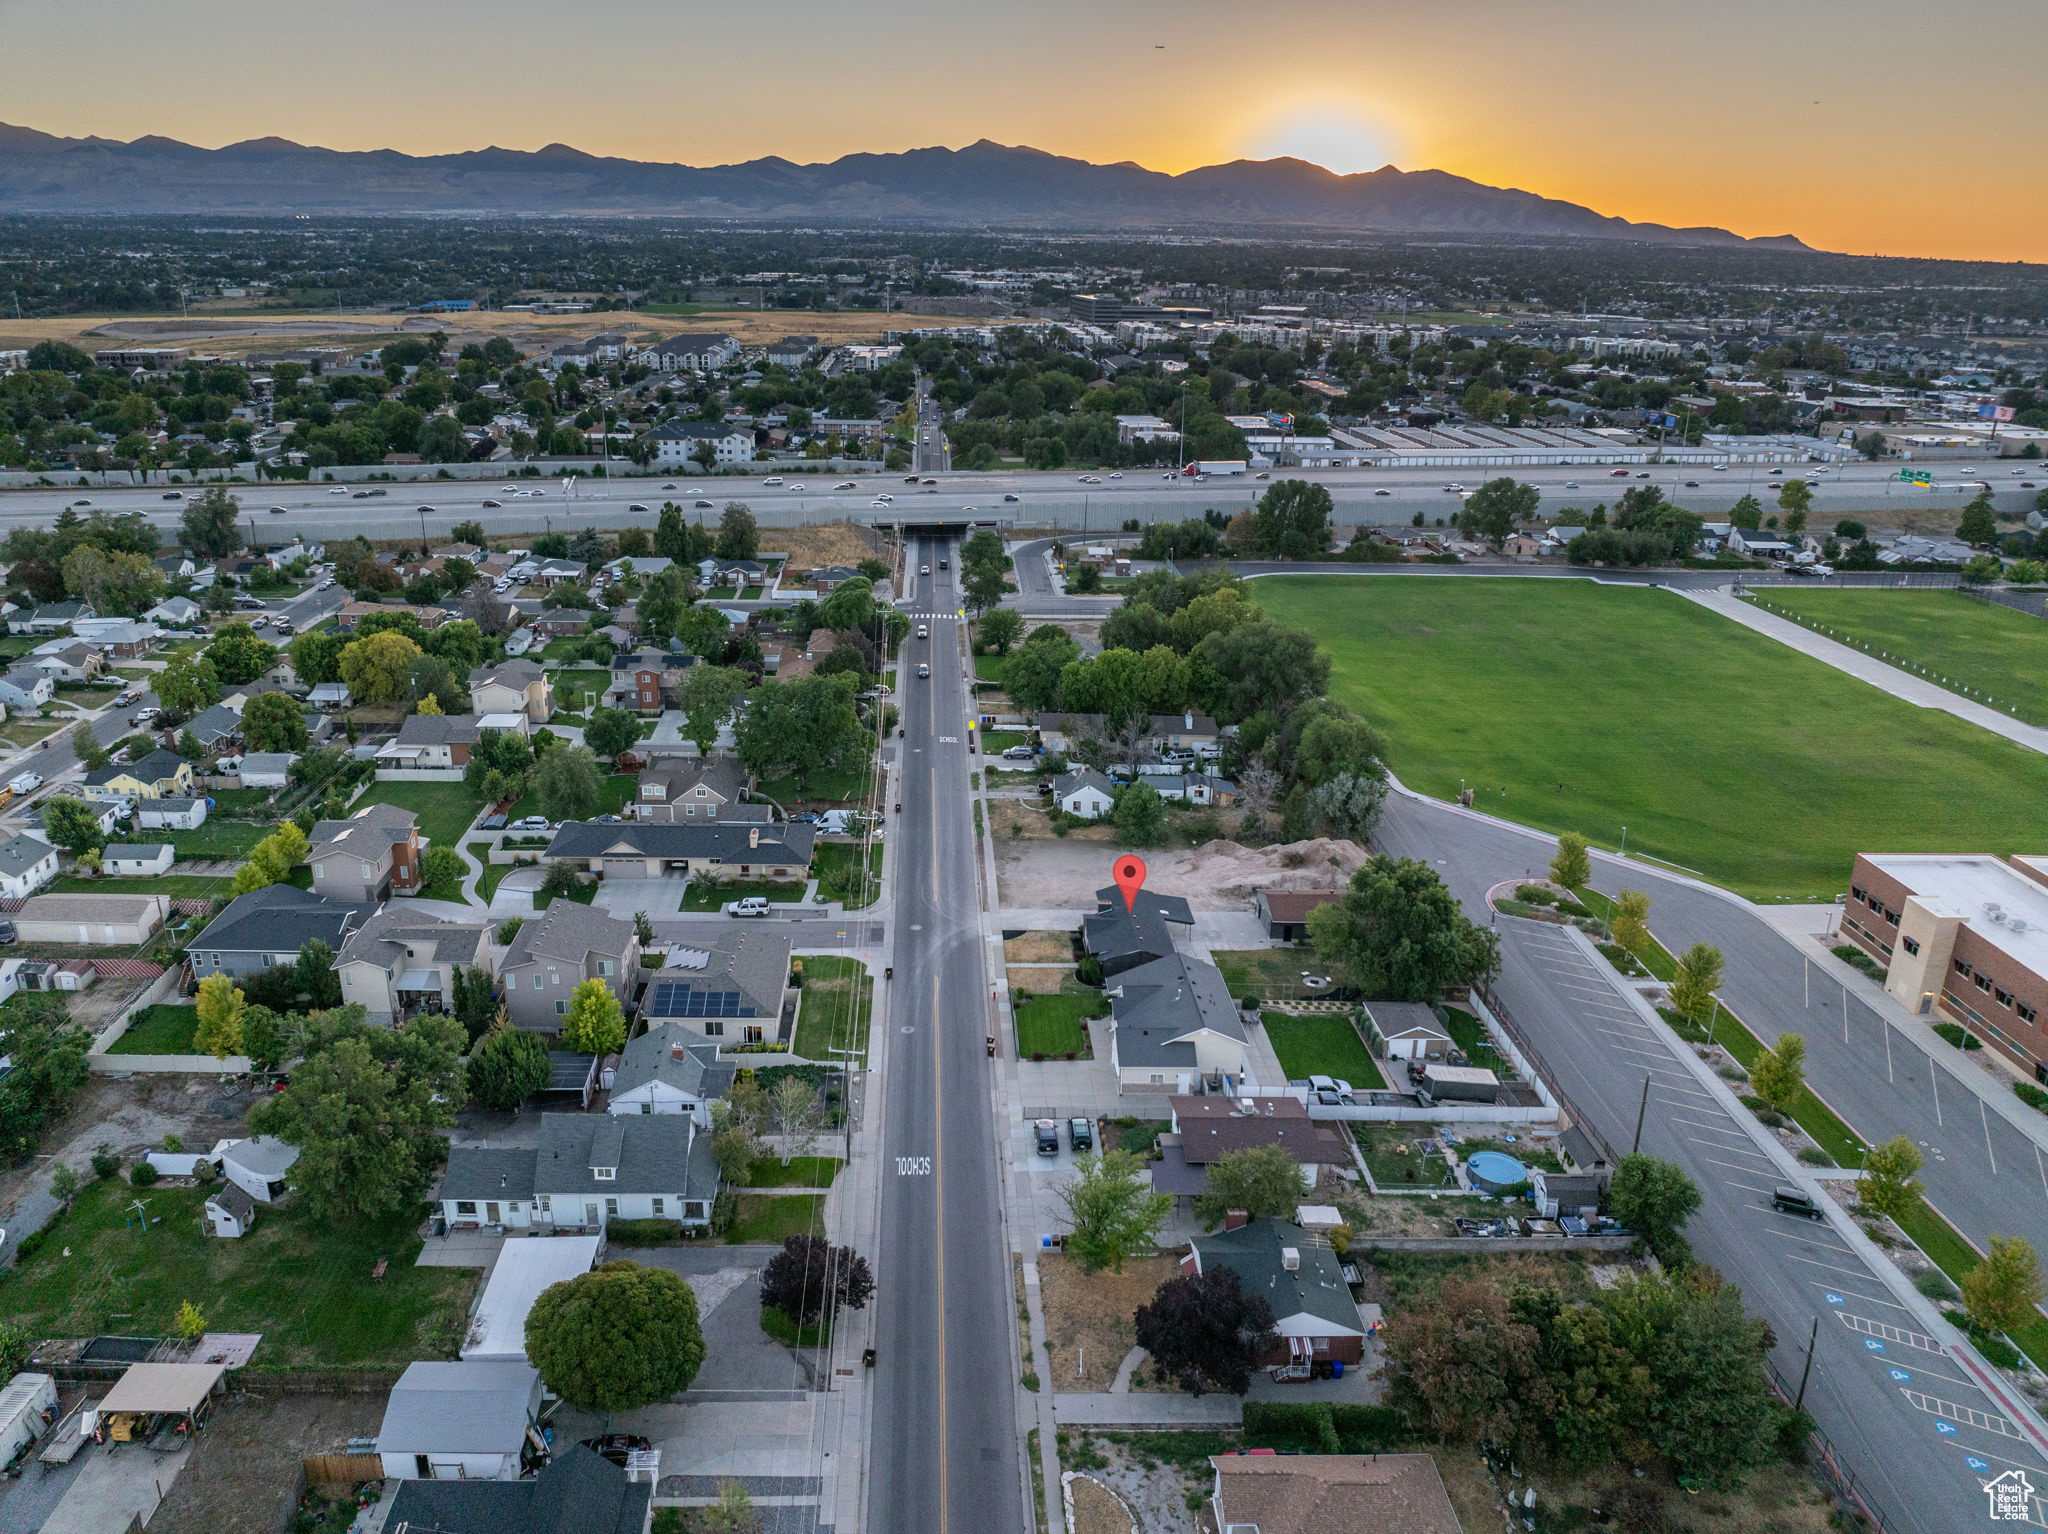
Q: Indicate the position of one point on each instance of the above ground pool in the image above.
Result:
(1491, 1171)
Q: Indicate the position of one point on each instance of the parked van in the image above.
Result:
(752, 905)
(26, 783)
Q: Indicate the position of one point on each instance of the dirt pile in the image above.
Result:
(1230, 872)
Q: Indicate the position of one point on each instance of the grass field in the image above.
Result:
(615, 791)
(802, 1172)
(159, 1030)
(1599, 707)
(177, 886)
(1051, 1025)
(1271, 974)
(445, 809)
(705, 896)
(838, 998)
(768, 1219)
(1322, 1045)
(1977, 644)
(303, 1282)
(840, 877)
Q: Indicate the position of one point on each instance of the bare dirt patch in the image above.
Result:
(1088, 1327)
(829, 543)
(132, 1116)
(1039, 979)
(1039, 948)
(1216, 876)
(1097, 1509)
(243, 1477)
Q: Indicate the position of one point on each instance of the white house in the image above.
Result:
(267, 769)
(468, 1421)
(27, 863)
(170, 814)
(24, 686)
(176, 612)
(1084, 792)
(1174, 1022)
(669, 1070)
(588, 1169)
(137, 860)
(676, 442)
(1758, 543)
(1409, 1030)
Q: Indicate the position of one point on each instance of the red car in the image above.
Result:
(1619, 474)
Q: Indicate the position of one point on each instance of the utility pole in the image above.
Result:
(1642, 1111)
(1799, 1400)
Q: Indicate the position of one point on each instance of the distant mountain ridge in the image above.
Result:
(984, 183)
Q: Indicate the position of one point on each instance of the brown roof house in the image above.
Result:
(1285, 912)
(1206, 1129)
(373, 854)
(1331, 1494)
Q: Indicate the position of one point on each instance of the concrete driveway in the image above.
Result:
(738, 1354)
(657, 897)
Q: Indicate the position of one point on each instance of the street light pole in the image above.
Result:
(1812, 1337)
(1642, 1111)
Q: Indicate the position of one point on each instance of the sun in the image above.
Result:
(1337, 136)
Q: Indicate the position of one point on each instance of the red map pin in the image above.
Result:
(1130, 878)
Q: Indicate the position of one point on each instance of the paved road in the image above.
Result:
(1056, 499)
(930, 454)
(1906, 1417)
(945, 1454)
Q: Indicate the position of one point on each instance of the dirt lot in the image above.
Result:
(1064, 873)
(1039, 948)
(1039, 979)
(829, 543)
(1097, 1509)
(1088, 1317)
(131, 1116)
(243, 1477)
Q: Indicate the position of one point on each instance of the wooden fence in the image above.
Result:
(342, 1469)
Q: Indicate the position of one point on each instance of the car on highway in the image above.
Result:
(1692, 484)
(924, 672)
(846, 484)
(81, 503)
(1453, 489)
(1643, 475)
(773, 479)
(924, 569)
(1009, 498)
(924, 631)
(963, 508)
(1720, 468)
(375, 493)
(1262, 474)
(2015, 473)
(927, 482)
(1619, 474)
(174, 495)
(337, 490)
(668, 484)
(878, 505)
(1383, 490)
(492, 505)
(1959, 471)
(1087, 479)
(945, 565)
(278, 511)
(1571, 484)
(423, 508)
(1114, 475)
(1775, 485)
(635, 506)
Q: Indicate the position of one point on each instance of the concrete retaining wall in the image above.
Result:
(1471, 1245)
(168, 1065)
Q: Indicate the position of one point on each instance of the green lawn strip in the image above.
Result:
(1323, 1045)
(1949, 1250)
(571, 685)
(1271, 974)
(583, 894)
(217, 840)
(703, 896)
(568, 648)
(177, 886)
(302, 1281)
(1821, 1122)
(615, 791)
(488, 881)
(1949, 638)
(768, 1219)
(837, 866)
(997, 741)
(1469, 1034)
(446, 810)
(158, 1030)
(1051, 1025)
(784, 1330)
(989, 668)
(1596, 707)
(1651, 954)
(834, 1007)
(824, 788)
(802, 1172)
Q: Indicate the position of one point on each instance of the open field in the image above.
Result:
(159, 1030)
(1978, 644)
(1598, 707)
(1051, 1025)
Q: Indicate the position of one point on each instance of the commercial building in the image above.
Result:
(1963, 937)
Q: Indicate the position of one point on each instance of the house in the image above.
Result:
(52, 616)
(170, 814)
(1568, 1193)
(1063, 733)
(436, 747)
(1172, 1023)
(137, 860)
(217, 729)
(685, 442)
(257, 1166)
(1758, 543)
(27, 863)
(372, 854)
(1912, 549)
(790, 353)
(229, 1212)
(25, 686)
(829, 578)
(1409, 1030)
(1122, 939)
(353, 613)
(737, 991)
(70, 662)
(177, 566)
(268, 769)
(464, 1421)
(557, 951)
(579, 1491)
(159, 775)
(1327, 1493)
(668, 1069)
(691, 353)
(641, 680)
(690, 788)
(642, 565)
(1203, 788)
(562, 622)
(1084, 792)
(114, 921)
(650, 849)
(267, 927)
(119, 638)
(397, 964)
(1285, 912)
(1299, 1276)
(329, 696)
(1555, 540)
(521, 640)
(1206, 1129)
(512, 687)
(556, 572)
(588, 1169)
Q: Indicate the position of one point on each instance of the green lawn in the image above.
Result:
(1599, 707)
(802, 1172)
(834, 1007)
(302, 1281)
(1469, 1034)
(159, 1030)
(768, 1219)
(1322, 1045)
(825, 788)
(837, 867)
(565, 649)
(177, 886)
(988, 667)
(615, 791)
(1942, 633)
(583, 894)
(446, 810)
(218, 839)
(570, 686)
(703, 896)
(1271, 974)
(996, 742)
(1051, 1025)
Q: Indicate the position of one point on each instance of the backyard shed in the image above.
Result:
(469, 1421)
(1409, 1029)
(124, 921)
(229, 1212)
(257, 1166)
(27, 1406)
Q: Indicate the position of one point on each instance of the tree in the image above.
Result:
(1887, 1187)
(739, 536)
(706, 696)
(1464, 1366)
(594, 1024)
(1349, 805)
(1654, 1199)
(1140, 816)
(1032, 674)
(797, 1115)
(366, 1107)
(1113, 1212)
(1292, 520)
(271, 860)
(567, 783)
(810, 1276)
(616, 1338)
(802, 728)
(1497, 509)
(238, 655)
(113, 581)
(610, 731)
(1778, 1074)
(210, 525)
(1001, 628)
(1398, 934)
(734, 1511)
(1204, 1332)
(1699, 976)
(475, 1005)
(315, 975)
(2002, 1292)
(378, 669)
(1258, 666)
(191, 1322)
(1631, 918)
(73, 825)
(274, 721)
(735, 1141)
(1795, 499)
(508, 1067)
(442, 868)
(1747, 513)
(1979, 524)
(316, 657)
(219, 1028)
(1572, 867)
(187, 684)
(1263, 1180)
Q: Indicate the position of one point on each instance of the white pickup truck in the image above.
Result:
(752, 905)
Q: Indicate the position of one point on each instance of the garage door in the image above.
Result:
(629, 868)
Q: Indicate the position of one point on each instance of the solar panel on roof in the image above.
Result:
(674, 999)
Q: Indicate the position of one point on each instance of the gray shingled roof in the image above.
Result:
(487, 1171)
(651, 1153)
(156, 767)
(518, 672)
(384, 938)
(671, 1054)
(753, 962)
(19, 854)
(1165, 1001)
(568, 930)
(1316, 1288)
(279, 918)
(578, 1492)
(682, 839)
(370, 832)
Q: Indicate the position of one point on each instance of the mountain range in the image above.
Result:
(983, 184)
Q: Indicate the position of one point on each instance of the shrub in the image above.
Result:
(1935, 1285)
(644, 1232)
(1369, 1429)
(142, 1174)
(106, 1161)
(1959, 1036)
(1813, 1155)
(2031, 1095)
(1536, 894)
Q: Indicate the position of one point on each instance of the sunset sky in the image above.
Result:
(1900, 126)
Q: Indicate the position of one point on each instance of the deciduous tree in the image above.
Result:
(1887, 1187)
(594, 1024)
(508, 1067)
(210, 525)
(617, 1338)
(274, 721)
(1573, 865)
(219, 1028)
(1000, 629)
(610, 731)
(1630, 921)
(1140, 816)
(187, 684)
(1699, 977)
(810, 1276)
(1262, 1180)
(2003, 1292)
(567, 783)
(73, 824)
(238, 655)
(1113, 1212)
(379, 669)
(1497, 509)
(707, 696)
(1398, 933)
(1204, 1332)
(1464, 1367)
(1778, 1075)
(739, 536)
(1654, 1199)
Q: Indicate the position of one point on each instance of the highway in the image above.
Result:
(1055, 499)
(1907, 1418)
(946, 1454)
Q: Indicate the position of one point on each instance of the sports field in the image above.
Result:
(1576, 707)
(2000, 653)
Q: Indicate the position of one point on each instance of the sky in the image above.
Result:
(1908, 127)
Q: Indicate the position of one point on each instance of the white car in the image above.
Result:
(1115, 475)
(1720, 468)
(773, 479)
(924, 569)
(1330, 1089)
(514, 490)
(338, 490)
(878, 505)
(532, 823)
